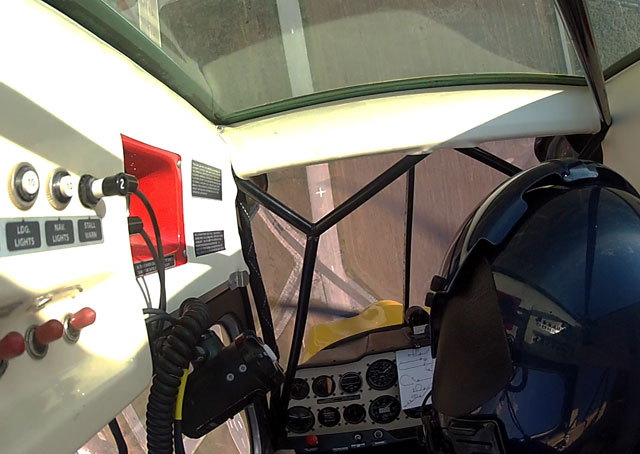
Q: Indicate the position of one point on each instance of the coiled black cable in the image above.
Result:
(176, 353)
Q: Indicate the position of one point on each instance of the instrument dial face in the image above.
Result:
(384, 409)
(299, 389)
(351, 382)
(381, 374)
(328, 416)
(300, 420)
(323, 386)
(354, 413)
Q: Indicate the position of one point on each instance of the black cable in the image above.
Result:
(118, 437)
(156, 260)
(424, 404)
(157, 328)
(145, 293)
(161, 317)
(177, 352)
(152, 311)
(177, 437)
(156, 230)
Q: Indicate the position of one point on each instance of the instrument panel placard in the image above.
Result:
(29, 235)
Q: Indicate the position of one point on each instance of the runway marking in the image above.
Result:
(320, 192)
(295, 47)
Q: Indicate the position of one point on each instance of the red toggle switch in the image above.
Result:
(82, 318)
(11, 345)
(312, 440)
(49, 332)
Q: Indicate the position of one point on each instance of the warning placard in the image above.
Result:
(206, 181)
(208, 242)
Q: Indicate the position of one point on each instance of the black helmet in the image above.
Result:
(536, 318)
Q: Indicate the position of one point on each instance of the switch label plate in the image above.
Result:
(89, 230)
(59, 233)
(23, 235)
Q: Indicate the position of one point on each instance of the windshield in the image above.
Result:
(253, 57)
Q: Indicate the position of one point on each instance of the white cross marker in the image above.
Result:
(320, 192)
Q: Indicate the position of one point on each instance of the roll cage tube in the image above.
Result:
(576, 20)
(313, 231)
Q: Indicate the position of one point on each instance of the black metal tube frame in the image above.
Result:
(576, 21)
(313, 231)
(408, 236)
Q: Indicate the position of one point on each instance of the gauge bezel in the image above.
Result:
(361, 420)
(305, 409)
(350, 374)
(307, 389)
(376, 364)
(315, 381)
(335, 412)
(376, 401)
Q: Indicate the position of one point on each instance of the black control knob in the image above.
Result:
(91, 189)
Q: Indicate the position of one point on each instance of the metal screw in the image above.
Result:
(230, 376)
(242, 368)
(179, 164)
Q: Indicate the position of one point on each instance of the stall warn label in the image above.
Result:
(23, 235)
(58, 233)
(89, 230)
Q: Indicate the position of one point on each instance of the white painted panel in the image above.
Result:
(419, 121)
(65, 99)
(621, 146)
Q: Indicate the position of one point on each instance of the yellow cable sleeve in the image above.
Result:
(180, 398)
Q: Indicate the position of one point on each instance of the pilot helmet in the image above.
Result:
(535, 318)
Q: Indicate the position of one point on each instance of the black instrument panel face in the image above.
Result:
(348, 399)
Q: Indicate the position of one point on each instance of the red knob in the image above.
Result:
(11, 345)
(82, 318)
(49, 332)
(312, 440)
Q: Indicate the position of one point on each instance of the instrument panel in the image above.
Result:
(346, 406)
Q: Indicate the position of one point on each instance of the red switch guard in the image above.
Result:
(160, 178)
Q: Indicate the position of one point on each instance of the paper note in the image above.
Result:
(415, 375)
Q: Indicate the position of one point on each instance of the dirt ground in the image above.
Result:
(448, 187)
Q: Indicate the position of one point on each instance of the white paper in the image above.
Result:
(415, 375)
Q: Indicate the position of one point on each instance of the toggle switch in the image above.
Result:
(39, 337)
(11, 345)
(74, 323)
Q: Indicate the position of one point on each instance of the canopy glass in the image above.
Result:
(243, 59)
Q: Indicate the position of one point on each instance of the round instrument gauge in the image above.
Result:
(328, 416)
(300, 420)
(381, 374)
(323, 386)
(354, 413)
(351, 382)
(384, 409)
(299, 389)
